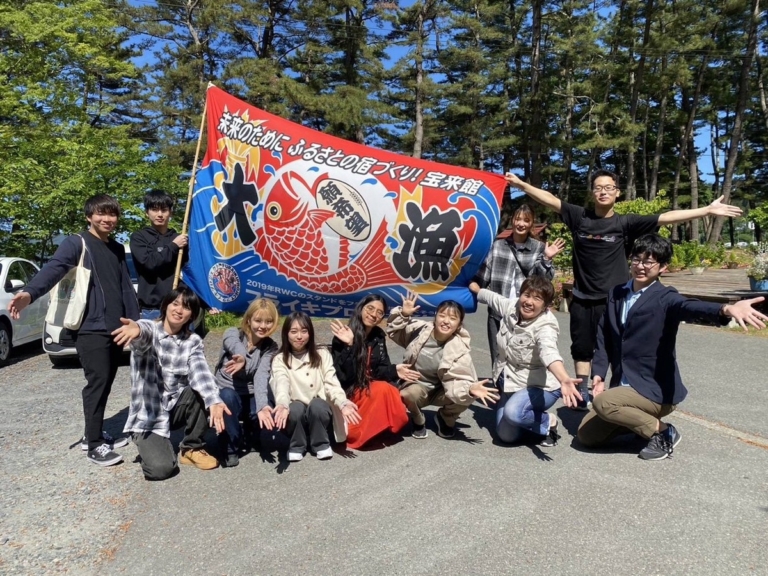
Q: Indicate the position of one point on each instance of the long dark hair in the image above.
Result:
(359, 349)
(285, 346)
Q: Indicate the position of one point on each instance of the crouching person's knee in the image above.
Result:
(159, 470)
(158, 461)
(602, 404)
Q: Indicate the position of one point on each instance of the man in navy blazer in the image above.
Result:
(636, 337)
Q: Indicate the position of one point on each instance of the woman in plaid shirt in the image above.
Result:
(512, 260)
(171, 387)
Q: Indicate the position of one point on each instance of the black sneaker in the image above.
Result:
(551, 438)
(231, 461)
(113, 442)
(103, 456)
(443, 430)
(583, 405)
(658, 448)
(673, 436)
(420, 432)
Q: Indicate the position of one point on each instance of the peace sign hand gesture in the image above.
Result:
(409, 304)
(343, 332)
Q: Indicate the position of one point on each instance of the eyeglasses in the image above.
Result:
(643, 263)
(373, 311)
(607, 188)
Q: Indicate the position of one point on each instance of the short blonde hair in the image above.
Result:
(259, 305)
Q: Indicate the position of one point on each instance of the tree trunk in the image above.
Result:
(761, 88)
(653, 187)
(741, 104)
(418, 126)
(636, 81)
(691, 107)
(536, 133)
(565, 183)
(693, 171)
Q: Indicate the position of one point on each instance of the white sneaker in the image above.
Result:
(325, 454)
(295, 456)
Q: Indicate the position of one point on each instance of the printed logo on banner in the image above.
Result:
(224, 282)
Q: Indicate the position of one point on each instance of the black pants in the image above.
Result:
(314, 419)
(493, 331)
(585, 316)
(100, 357)
(158, 461)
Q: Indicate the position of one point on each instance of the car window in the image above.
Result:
(15, 272)
(131, 268)
(29, 269)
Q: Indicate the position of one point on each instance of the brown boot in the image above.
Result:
(198, 458)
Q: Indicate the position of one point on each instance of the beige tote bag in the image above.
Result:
(69, 296)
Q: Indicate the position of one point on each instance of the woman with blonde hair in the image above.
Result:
(243, 373)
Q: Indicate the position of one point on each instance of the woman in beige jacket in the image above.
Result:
(528, 368)
(439, 351)
(304, 383)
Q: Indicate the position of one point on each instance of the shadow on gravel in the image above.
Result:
(25, 352)
(115, 423)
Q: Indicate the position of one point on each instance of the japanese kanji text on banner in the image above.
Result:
(315, 222)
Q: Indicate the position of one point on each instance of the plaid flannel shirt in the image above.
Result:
(500, 270)
(163, 365)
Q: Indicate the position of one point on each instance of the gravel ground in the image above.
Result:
(417, 507)
(58, 512)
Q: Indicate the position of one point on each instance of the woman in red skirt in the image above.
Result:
(365, 372)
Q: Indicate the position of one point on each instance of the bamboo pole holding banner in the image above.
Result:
(177, 275)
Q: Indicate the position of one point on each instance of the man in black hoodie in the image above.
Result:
(155, 252)
(110, 298)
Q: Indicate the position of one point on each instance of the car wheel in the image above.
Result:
(6, 344)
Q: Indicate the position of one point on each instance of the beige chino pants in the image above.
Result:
(618, 411)
(416, 396)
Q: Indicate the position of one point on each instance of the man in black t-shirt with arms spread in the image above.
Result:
(602, 240)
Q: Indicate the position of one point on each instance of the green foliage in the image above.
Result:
(222, 320)
(692, 254)
(759, 216)
(563, 261)
(61, 72)
(645, 207)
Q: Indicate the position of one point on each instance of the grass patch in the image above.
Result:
(222, 320)
(750, 331)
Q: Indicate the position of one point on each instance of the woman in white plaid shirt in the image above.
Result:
(171, 387)
(512, 260)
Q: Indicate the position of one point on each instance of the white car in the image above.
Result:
(15, 274)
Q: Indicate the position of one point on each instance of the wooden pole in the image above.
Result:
(189, 195)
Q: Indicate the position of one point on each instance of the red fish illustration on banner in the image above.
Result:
(293, 244)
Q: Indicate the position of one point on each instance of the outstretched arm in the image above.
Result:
(717, 208)
(541, 196)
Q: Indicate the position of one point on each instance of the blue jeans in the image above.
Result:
(232, 430)
(523, 412)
